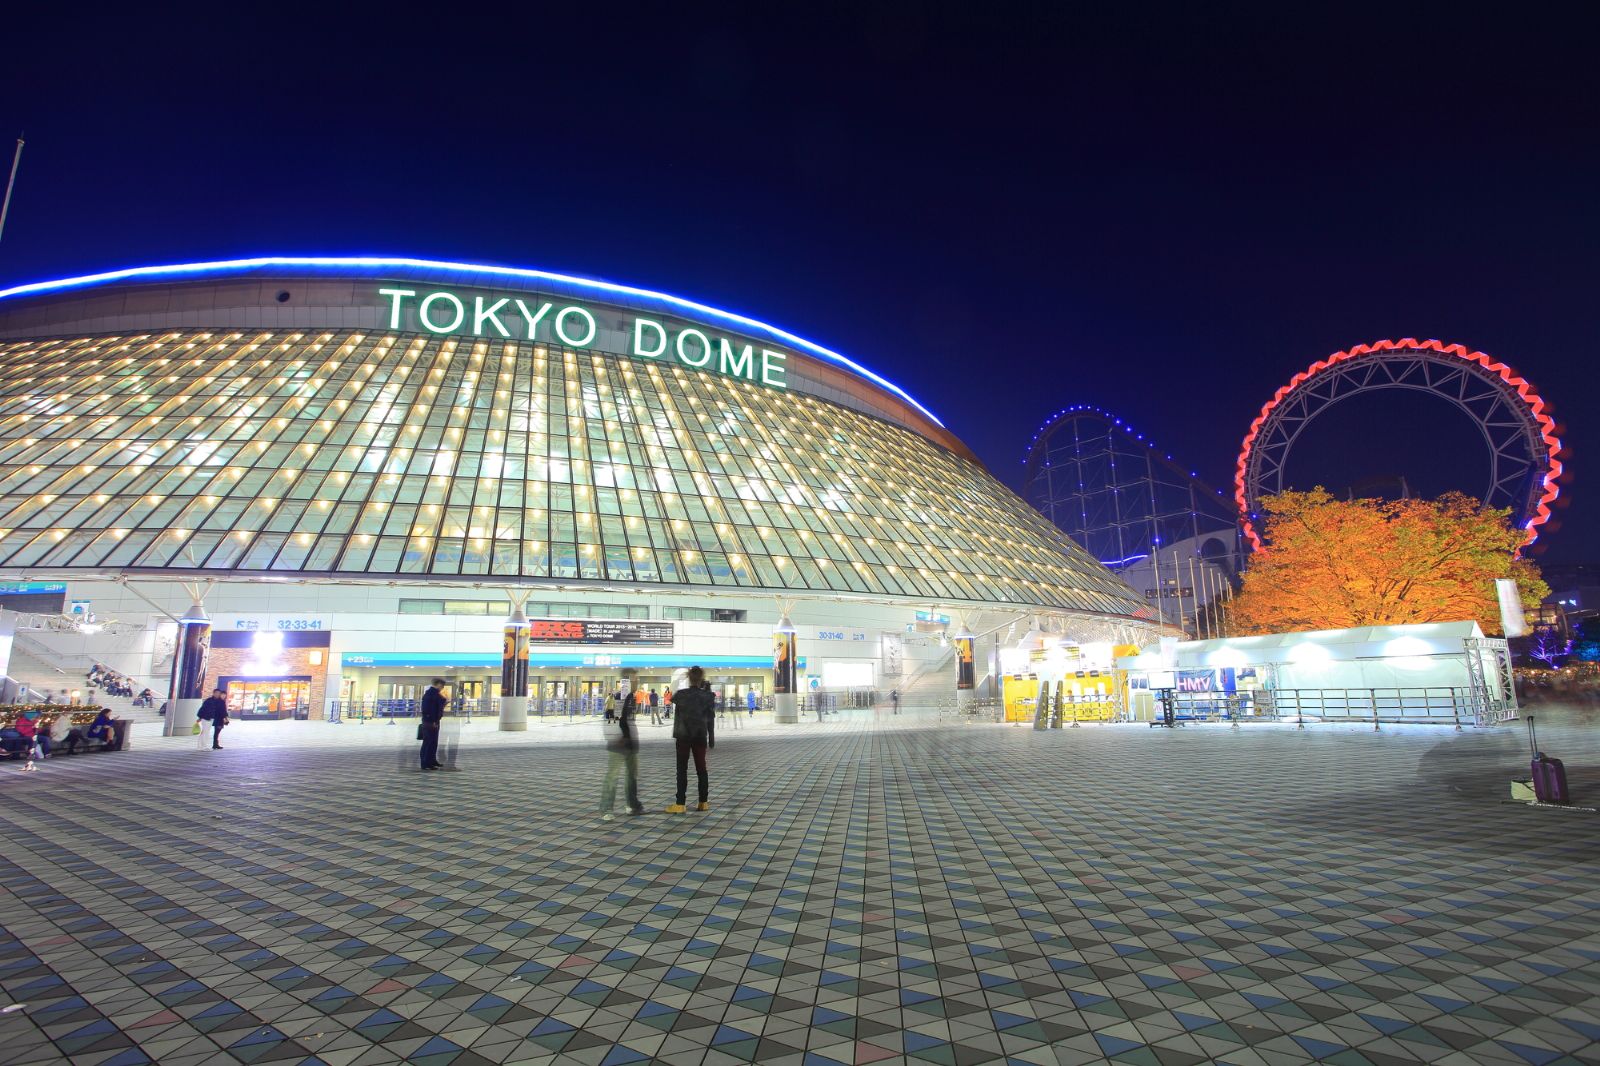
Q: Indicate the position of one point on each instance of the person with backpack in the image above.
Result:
(693, 730)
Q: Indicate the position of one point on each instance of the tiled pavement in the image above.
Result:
(921, 894)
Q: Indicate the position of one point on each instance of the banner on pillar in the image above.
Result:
(966, 673)
(189, 664)
(514, 662)
(783, 660)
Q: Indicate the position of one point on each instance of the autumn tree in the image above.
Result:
(1336, 564)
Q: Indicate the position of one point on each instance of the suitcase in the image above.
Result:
(1549, 774)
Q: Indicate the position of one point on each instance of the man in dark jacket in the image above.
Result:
(215, 711)
(433, 701)
(693, 719)
(622, 746)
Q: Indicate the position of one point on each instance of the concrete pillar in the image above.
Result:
(785, 674)
(514, 674)
(188, 688)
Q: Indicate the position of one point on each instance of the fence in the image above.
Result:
(1375, 705)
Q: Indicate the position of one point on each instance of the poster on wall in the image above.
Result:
(893, 651)
(783, 647)
(966, 671)
(514, 661)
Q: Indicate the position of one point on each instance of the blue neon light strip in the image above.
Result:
(382, 262)
(1128, 559)
(356, 660)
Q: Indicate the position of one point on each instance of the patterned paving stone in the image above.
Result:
(921, 893)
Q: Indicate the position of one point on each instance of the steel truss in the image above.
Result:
(1117, 494)
(1517, 432)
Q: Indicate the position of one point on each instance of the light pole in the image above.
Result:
(5, 205)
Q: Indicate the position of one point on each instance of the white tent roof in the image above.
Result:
(1365, 642)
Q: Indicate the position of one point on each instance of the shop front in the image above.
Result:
(268, 674)
(387, 684)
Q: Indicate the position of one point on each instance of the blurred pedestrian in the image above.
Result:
(622, 757)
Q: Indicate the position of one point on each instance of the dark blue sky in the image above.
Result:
(1006, 210)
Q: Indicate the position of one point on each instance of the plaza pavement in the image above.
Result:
(875, 889)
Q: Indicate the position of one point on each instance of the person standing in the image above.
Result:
(433, 701)
(894, 698)
(693, 711)
(622, 757)
(655, 707)
(215, 711)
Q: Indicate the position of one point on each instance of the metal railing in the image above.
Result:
(1375, 705)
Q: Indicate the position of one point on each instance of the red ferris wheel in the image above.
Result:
(1519, 432)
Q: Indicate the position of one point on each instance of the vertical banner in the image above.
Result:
(966, 673)
(1512, 619)
(783, 645)
(189, 664)
(514, 661)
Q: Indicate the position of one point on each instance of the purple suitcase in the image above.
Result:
(1549, 774)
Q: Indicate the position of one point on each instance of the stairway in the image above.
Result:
(30, 666)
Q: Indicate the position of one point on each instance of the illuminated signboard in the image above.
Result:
(584, 631)
(529, 318)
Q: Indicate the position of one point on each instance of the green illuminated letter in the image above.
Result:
(480, 315)
(561, 327)
(773, 368)
(742, 366)
(395, 296)
(429, 300)
(639, 326)
(533, 320)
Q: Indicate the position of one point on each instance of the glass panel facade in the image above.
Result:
(380, 454)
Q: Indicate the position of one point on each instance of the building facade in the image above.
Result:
(376, 460)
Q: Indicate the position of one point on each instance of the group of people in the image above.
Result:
(32, 735)
(694, 730)
(114, 684)
(660, 704)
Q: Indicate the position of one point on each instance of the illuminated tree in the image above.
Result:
(1336, 564)
(1547, 646)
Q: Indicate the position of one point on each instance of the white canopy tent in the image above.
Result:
(1428, 671)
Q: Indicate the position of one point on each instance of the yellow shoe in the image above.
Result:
(702, 806)
(676, 808)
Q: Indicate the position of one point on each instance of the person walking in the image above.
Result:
(693, 728)
(433, 701)
(894, 698)
(733, 713)
(655, 707)
(750, 701)
(215, 711)
(622, 757)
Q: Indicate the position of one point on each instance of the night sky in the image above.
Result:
(1004, 209)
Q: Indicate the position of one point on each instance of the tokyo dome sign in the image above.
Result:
(573, 325)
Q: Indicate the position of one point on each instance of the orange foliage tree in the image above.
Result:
(1335, 564)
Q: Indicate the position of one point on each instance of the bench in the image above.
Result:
(50, 723)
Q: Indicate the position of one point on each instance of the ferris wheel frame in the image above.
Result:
(1517, 428)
